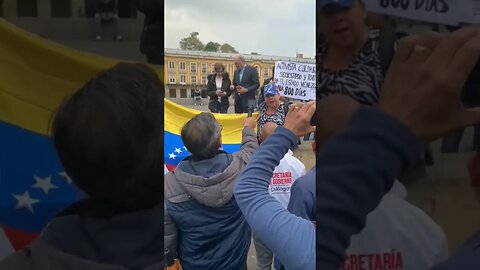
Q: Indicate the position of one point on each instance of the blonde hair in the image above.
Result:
(218, 65)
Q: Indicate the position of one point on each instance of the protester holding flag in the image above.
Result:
(203, 223)
(108, 136)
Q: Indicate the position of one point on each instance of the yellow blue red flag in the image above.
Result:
(35, 76)
(176, 116)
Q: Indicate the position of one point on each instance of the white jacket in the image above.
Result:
(288, 170)
(397, 236)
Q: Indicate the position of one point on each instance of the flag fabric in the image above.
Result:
(35, 76)
(176, 116)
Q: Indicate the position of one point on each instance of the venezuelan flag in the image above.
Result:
(176, 116)
(35, 76)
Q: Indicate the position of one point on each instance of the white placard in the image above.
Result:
(470, 11)
(435, 11)
(296, 80)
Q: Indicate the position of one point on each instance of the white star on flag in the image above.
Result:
(185, 148)
(172, 156)
(44, 184)
(64, 174)
(25, 201)
(178, 150)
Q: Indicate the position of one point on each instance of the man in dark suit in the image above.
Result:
(245, 84)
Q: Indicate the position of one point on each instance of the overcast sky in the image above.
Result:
(271, 27)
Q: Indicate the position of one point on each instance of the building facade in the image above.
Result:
(185, 70)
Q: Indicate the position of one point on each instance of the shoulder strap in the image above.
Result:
(386, 49)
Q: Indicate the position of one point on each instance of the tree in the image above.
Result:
(191, 43)
(227, 48)
(212, 47)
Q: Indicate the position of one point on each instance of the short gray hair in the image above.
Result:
(239, 56)
(200, 135)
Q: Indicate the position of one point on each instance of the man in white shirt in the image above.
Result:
(285, 174)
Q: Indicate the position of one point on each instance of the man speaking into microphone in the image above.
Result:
(245, 84)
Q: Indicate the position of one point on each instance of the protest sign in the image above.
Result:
(296, 80)
(435, 11)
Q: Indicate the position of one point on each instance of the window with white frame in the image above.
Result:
(265, 72)
(204, 68)
(213, 68)
(183, 79)
(182, 65)
(171, 65)
(204, 80)
(171, 78)
(193, 67)
(193, 79)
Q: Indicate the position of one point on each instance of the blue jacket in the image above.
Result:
(203, 222)
(357, 168)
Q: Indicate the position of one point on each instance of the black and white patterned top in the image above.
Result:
(362, 80)
(263, 118)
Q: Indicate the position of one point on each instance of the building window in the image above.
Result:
(193, 79)
(61, 8)
(213, 68)
(204, 68)
(171, 78)
(204, 80)
(265, 72)
(183, 79)
(173, 93)
(182, 66)
(183, 93)
(27, 8)
(171, 65)
(193, 67)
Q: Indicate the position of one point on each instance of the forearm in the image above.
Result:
(355, 170)
(266, 216)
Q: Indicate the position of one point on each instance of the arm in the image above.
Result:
(302, 199)
(171, 232)
(249, 144)
(211, 86)
(255, 83)
(355, 170)
(266, 216)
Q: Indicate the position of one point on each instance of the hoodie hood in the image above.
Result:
(133, 240)
(209, 181)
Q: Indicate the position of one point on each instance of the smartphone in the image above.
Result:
(251, 107)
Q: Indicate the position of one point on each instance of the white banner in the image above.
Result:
(436, 11)
(296, 80)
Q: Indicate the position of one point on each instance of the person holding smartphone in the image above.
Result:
(219, 87)
(245, 84)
